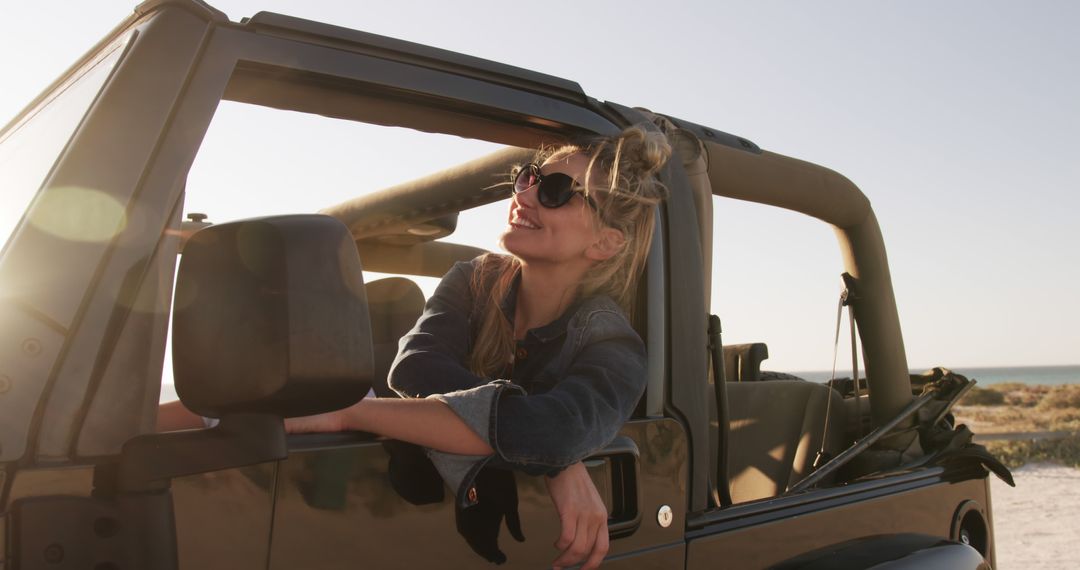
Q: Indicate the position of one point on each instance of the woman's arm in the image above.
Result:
(428, 423)
(433, 355)
(578, 416)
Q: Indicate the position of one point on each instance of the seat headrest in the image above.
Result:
(395, 304)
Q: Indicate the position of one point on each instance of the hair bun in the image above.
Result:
(646, 150)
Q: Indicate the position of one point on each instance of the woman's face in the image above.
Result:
(537, 234)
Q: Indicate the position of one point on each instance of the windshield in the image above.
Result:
(30, 147)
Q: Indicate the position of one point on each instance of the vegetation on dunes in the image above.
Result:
(1033, 410)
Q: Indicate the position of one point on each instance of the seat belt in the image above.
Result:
(716, 347)
(847, 297)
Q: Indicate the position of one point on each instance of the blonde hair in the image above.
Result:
(628, 165)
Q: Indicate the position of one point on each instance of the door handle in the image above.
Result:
(615, 473)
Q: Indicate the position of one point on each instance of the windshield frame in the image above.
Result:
(57, 99)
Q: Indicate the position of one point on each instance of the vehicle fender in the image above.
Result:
(890, 552)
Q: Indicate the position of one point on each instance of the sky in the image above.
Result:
(959, 121)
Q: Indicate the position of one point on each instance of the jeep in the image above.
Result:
(279, 312)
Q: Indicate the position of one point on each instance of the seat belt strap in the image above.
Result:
(847, 297)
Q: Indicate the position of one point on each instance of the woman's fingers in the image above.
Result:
(579, 548)
(590, 540)
(600, 549)
(569, 530)
(583, 516)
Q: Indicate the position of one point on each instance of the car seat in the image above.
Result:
(394, 304)
(776, 430)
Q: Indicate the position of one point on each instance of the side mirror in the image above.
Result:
(270, 321)
(270, 316)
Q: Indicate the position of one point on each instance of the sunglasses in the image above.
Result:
(552, 190)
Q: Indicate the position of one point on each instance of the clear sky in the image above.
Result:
(959, 120)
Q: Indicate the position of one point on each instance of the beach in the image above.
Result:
(1032, 428)
(1037, 524)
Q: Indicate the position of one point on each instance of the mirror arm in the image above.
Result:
(149, 461)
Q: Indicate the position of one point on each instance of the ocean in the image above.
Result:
(1051, 375)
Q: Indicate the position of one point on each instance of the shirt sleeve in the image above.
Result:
(581, 414)
(433, 357)
(475, 407)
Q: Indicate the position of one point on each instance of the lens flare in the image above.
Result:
(79, 214)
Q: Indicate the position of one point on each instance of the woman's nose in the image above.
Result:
(526, 198)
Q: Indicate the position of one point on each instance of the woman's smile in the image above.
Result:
(520, 219)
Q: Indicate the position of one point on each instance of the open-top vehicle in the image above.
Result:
(280, 316)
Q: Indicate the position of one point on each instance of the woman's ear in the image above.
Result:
(609, 242)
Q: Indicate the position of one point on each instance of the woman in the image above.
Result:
(528, 361)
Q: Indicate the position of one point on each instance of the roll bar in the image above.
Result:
(756, 176)
(776, 180)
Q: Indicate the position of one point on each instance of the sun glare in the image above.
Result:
(79, 214)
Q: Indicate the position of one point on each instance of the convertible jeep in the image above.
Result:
(135, 241)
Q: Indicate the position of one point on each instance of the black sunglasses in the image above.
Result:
(552, 190)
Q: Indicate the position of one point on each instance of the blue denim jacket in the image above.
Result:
(573, 384)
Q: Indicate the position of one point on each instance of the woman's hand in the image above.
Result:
(320, 423)
(427, 423)
(174, 416)
(583, 516)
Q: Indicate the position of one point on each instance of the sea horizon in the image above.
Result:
(986, 375)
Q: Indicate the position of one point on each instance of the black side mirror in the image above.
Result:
(270, 321)
(270, 317)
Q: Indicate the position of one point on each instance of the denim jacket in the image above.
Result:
(573, 383)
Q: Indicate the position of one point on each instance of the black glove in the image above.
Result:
(496, 496)
(412, 474)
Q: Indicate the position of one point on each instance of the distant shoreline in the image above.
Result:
(1050, 375)
(1022, 423)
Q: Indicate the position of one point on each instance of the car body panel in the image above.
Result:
(761, 539)
(223, 518)
(335, 505)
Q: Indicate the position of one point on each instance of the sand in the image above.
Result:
(1037, 524)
